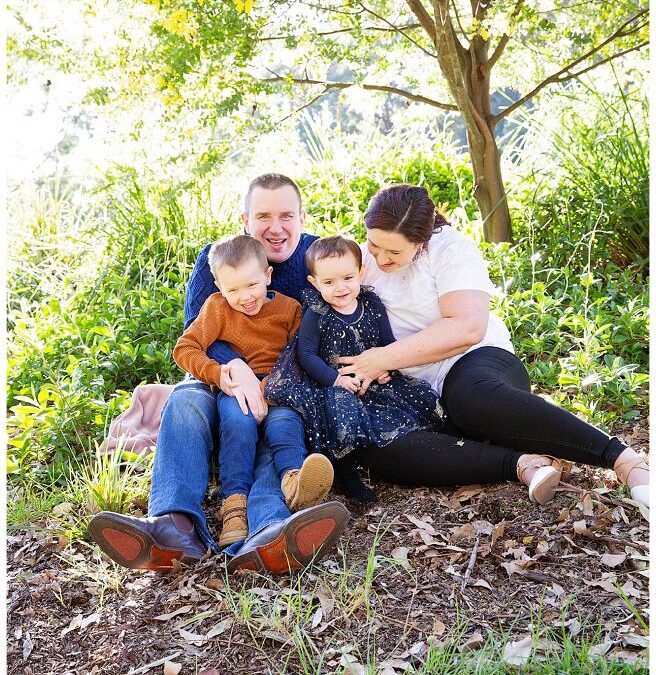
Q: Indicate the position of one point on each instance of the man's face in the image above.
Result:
(275, 218)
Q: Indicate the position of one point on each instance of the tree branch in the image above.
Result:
(369, 87)
(564, 73)
(298, 110)
(424, 18)
(382, 29)
(505, 38)
(398, 29)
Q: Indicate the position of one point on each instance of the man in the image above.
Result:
(176, 527)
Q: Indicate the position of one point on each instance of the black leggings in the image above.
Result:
(488, 398)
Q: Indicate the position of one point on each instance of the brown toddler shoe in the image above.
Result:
(235, 522)
(308, 485)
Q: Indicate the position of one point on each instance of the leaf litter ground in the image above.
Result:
(418, 571)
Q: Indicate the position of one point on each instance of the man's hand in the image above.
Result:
(346, 382)
(238, 380)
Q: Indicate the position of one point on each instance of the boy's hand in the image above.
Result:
(238, 380)
(346, 382)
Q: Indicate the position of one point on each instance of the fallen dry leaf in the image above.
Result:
(172, 668)
(611, 560)
(400, 554)
(518, 653)
(476, 641)
(28, 646)
(175, 612)
(438, 627)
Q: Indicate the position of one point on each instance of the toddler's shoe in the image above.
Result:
(308, 485)
(235, 522)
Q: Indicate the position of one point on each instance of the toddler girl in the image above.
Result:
(341, 318)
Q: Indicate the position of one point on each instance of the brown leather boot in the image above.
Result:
(235, 522)
(309, 485)
(147, 543)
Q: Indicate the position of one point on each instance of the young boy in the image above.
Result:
(257, 324)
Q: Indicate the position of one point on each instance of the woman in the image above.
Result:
(435, 287)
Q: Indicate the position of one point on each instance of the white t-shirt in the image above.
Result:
(451, 262)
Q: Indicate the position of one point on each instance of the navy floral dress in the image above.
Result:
(338, 421)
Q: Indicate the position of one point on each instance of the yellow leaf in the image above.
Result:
(485, 33)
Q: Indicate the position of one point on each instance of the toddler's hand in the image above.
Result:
(384, 378)
(346, 382)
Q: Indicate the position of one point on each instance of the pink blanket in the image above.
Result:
(137, 428)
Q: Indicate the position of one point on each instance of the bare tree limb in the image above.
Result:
(369, 87)
(505, 38)
(382, 29)
(398, 29)
(305, 105)
(337, 10)
(564, 74)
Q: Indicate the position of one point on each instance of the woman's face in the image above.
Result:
(391, 250)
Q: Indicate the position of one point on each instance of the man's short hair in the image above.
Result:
(271, 181)
(235, 251)
(331, 247)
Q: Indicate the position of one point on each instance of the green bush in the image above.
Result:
(96, 300)
(590, 173)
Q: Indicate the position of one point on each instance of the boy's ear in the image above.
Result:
(362, 270)
(268, 275)
(313, 281)
(216, 283)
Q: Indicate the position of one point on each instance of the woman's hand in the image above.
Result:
(238, 380)
(366, 367)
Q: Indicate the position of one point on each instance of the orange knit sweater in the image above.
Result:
(259, 338)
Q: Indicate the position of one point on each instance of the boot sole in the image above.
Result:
(307, 536)
(131, 547)
(314, 482)
(543, 484)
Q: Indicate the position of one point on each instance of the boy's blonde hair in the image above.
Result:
(331, 247)
(235, 251)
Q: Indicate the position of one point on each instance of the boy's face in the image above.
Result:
(337, 278)
(245, 286)
(275, 218)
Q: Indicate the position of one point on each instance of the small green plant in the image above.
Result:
(113, 480)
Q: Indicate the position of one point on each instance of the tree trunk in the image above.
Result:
(468, 76)
(489, 191)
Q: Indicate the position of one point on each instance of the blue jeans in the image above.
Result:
(187, 437)
(281, 430)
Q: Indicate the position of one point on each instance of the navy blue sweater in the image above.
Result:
(289, 278)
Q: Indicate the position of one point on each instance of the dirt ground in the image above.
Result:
(419, 568)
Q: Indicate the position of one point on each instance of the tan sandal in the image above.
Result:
(542, 485)
(235, 521)
(639, 493)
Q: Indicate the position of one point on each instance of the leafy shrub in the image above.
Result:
(590, 172)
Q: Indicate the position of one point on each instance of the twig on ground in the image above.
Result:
(470, 565)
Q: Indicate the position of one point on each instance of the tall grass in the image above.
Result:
(586, 162)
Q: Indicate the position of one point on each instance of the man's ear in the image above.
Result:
(303, 216)
(313, 281)
(268, 275)
(244, 220)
